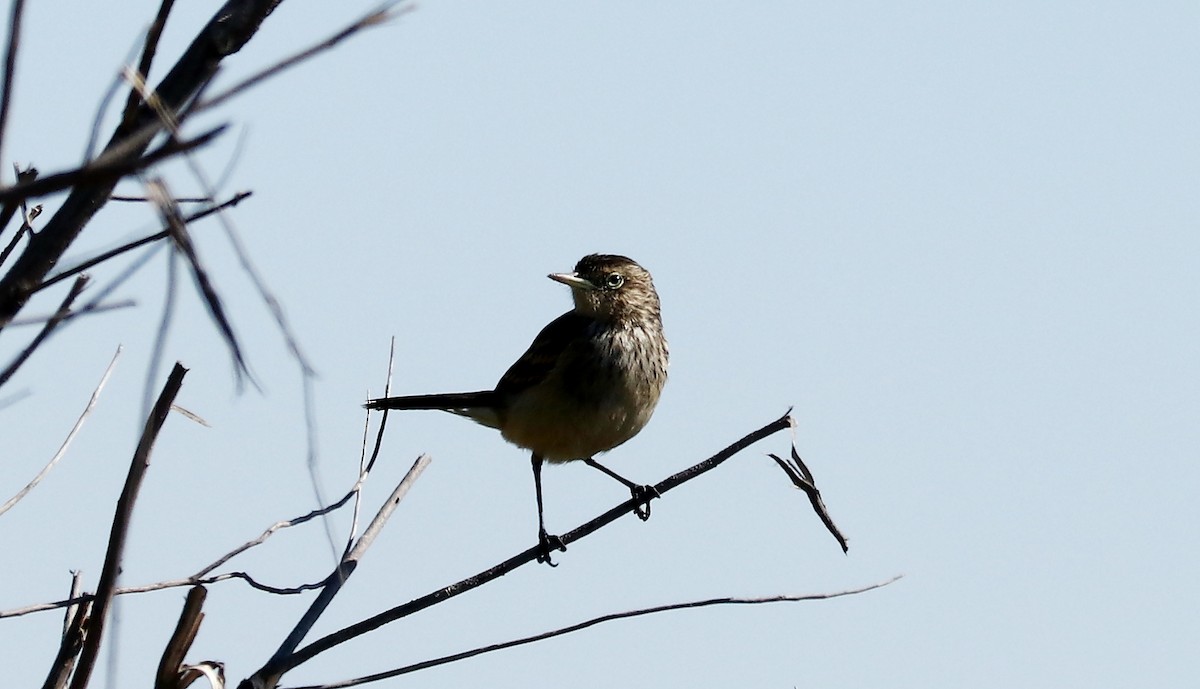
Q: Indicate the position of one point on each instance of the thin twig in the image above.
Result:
(162, 234)
(277, 667)
(226, 32)
(105, 169)
(89, 308)
(727, 600)
(147, 199)
(148, 50)
(375, 17)
(120, 528)
(10, 68)
(74, 625)
(164, 585)
(173, 219)
(170, 665)
(9, 209)
(365, 466)
(336, 579)
(59, 316)
(802, 477)
(62, 449)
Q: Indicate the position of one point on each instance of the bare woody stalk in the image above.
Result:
(727, 600)
(120, 527)
(74, 622)
(170, 666)
(336, 579)
(227, 31)
(277, 666)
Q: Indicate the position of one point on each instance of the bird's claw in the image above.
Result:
(642, 496)
(547, 544)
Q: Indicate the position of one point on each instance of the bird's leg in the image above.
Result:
(546, 542)
(642, 495)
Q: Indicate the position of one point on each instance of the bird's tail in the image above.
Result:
(480, 406)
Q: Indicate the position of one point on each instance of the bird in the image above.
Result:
(589, 382)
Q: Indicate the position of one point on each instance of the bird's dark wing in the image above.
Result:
(542, 356)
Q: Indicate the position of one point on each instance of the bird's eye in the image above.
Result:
(614, 280)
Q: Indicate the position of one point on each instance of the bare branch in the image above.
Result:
(120, 527)
(146, 199)
(74, 629)
(800, 475)
(170, 666)
(276, 667)
(148, 50)
(59, 316)
(104, 170)
(62, 449)
(163, 234)
(226, 32)
(728, 600)
(173, 219)
(375, 17)
(9, 209)
(91, 307)
(335, 581)
(10, 69)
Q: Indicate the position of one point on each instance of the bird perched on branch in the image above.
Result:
(589, 382)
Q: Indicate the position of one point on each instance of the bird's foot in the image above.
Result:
(547, 544)
(642, 495)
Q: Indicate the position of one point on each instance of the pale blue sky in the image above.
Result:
(959, 238)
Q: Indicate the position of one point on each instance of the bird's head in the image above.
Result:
(611, 288)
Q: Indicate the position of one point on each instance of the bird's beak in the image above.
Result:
(572, 280)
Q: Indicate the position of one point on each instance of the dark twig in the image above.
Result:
(163, 234)
(148, 50)
(170, 666)
(74, 627)
(147, 199)
(62, 449)
(120, 528)
(202, 577)
(59, 316)
(9, 208)
(277, 667)
(93, 306)
(373, 18)
(800, 475)
(10, 69)
(728, 600)
(233, 24)
(365, 465)
(173, 219)
(105, 170)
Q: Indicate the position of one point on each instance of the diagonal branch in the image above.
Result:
(276, 667)
(171, 216)
(728, 600)
(104, 170)
(148, 50)
(170, 666)
(10, 69)
(226, 32)
(349, 562)
(120, 527)
(163, 234)
(74, 629)
(64, 309)
(62, 449)
(802, 477)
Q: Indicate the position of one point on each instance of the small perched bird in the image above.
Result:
(588, 383)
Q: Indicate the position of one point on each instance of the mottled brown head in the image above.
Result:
(612, 289)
